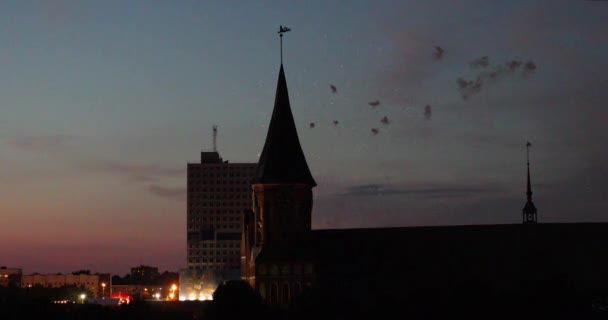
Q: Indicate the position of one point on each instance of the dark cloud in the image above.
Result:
(438, 54)
(142, 178)
(147, 175)
(529, 68)
(397, 210)
(427, 112)
(448, 191)
(481, 62)
(411, 62)
(137, 172)
(469, 88)
(513, 65)
(41, 142)
(175, 193)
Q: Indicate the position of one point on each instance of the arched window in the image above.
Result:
(274, 293)
(285, 293)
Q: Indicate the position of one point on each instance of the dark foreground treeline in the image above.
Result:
(236, 300)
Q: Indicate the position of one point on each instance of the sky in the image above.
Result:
(410, 113)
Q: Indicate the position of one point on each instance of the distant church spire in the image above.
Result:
(529, 210)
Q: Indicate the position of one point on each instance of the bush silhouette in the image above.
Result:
(236, 298)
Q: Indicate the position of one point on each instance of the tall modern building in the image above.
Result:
(218, 193)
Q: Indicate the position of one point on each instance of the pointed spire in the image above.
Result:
(529, 210)
(282, 159)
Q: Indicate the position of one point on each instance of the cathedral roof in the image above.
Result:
(282, 159)
(529, 207)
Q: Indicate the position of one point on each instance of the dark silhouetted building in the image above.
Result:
(494, 268)
(10, 276)
(278, 229)
(144, 274)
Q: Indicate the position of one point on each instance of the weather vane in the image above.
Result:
(281, 31)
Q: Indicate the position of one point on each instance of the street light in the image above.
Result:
(103, 289)
(172, 292)
(82, 296)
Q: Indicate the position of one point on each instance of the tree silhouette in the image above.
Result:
(236, 298)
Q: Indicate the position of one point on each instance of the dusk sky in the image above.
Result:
(103, 104)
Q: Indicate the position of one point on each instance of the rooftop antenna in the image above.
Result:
(281, 31)
(214, 138)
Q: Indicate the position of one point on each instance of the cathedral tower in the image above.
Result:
(276, 258)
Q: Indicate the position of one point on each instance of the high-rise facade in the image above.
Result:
(218, 193)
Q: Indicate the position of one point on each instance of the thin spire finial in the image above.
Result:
(214, 138)
(529, 188)
(281, 31)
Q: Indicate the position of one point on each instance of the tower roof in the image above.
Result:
(529, 207)
(282, 159)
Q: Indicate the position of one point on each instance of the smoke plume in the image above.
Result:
(512, 68)
(438, 52)
(427, 112)
(482, 62)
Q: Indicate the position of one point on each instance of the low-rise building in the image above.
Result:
(144, 292)
(10, 276)
(95, 283)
